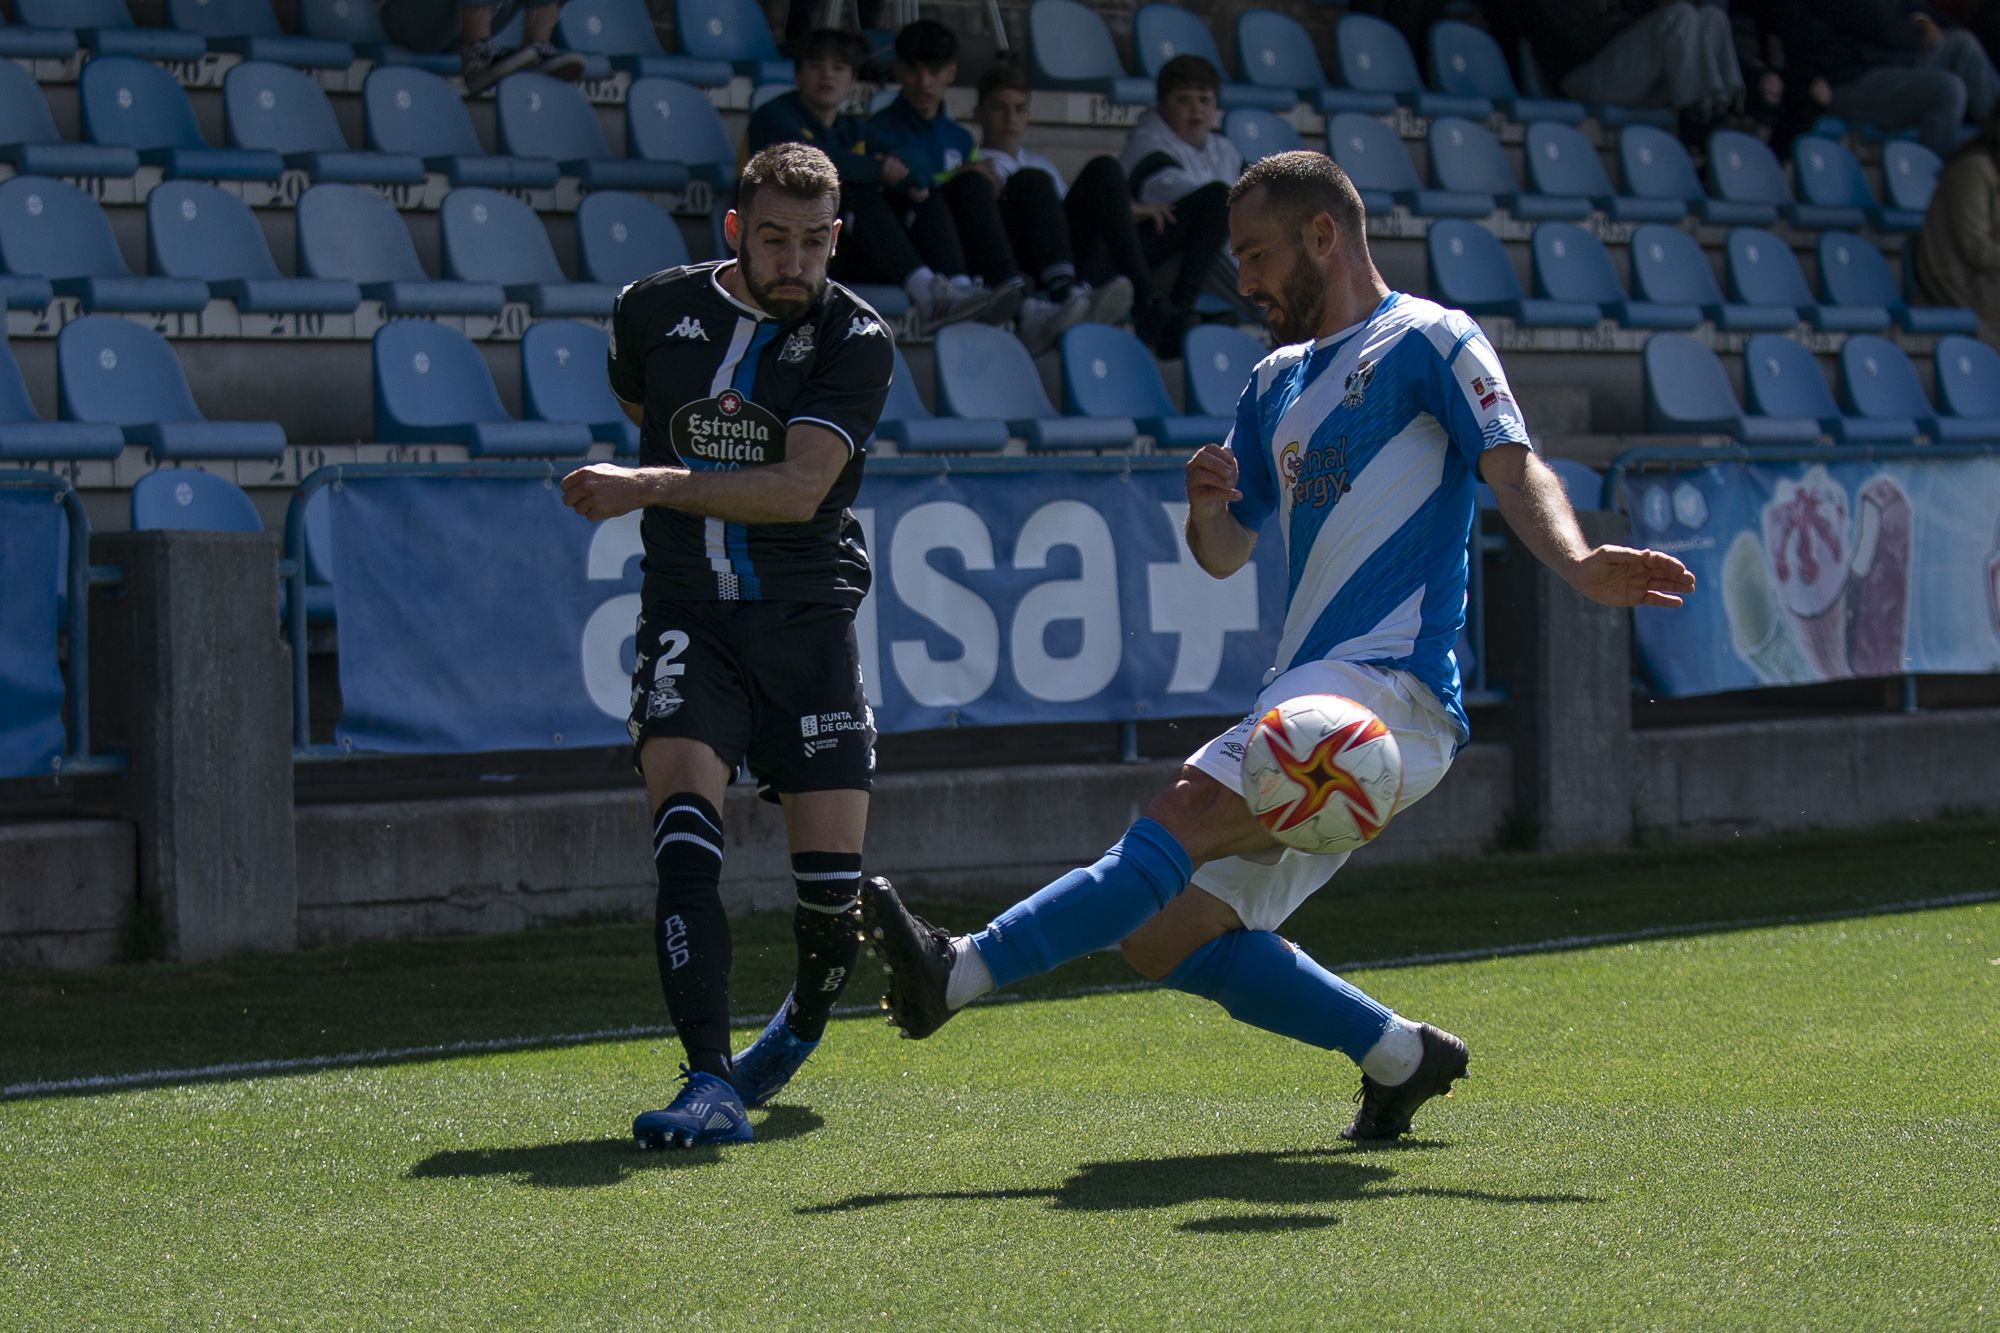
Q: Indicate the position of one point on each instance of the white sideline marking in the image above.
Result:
(402, 1054)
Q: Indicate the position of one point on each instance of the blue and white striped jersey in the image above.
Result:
(1365, 447)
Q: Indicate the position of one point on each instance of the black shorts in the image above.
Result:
(776, 683)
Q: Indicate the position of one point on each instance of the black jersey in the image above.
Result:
(721, 382)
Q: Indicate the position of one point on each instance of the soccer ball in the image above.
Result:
(1322, 773)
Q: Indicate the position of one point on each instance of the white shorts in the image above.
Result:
(1267, 888)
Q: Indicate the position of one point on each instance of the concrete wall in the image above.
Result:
(69, 891)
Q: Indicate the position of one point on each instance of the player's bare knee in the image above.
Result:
(1147, 958)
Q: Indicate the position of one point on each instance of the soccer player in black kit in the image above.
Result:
(754, 382)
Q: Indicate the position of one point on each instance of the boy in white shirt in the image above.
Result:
(1175, 161)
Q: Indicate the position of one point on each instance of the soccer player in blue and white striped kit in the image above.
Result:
(1362, 436)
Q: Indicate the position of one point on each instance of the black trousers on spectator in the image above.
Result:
(874, 245)
(1197, 233)
(975, 209)
(1037, 226)
(1098, 209)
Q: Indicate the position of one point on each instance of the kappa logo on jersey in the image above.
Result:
(689, 327)
(1357, 384)
(797, 347)
(727, 430)
(863, 326)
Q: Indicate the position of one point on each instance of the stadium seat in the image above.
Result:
(197, 231)
(137, 104)
(431, 384)
(249, 28)
(20, 41)
(53, 231)
(1879, 381)
(1572, 265)
(544, 117)
(769, 92)
(1581, 483)
(410, 111)
(733, 32)
(670, 121)
(1467, 62)
(1162, 31)
(1830, 179)
(107, 28)
(1781, 379)
(622, 31)
(1655, 166)
(1106, 372)
(1276, 54)
(1070, 49)
(1968, 377)
(1258, 134)
(1375, 61)
(1466, 159)
(1470, 269)
(1565, 165)
(188, 500)
(490, 237)
(25, 437)
(1688, 393)
(348, 232)
(1852, 272)
(621, 238)
(118, 372)
(358, 23)
(985, 372)
(275, 107)
(1763, 271)
(1373, 157)
(29, 139)
(1743, 170)
(915, 430)
(1668, 266)
(1216, 361)
(562, 379)
(1909, 178)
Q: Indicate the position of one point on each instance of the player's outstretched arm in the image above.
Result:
(1221, 545)
(1531, 498)
(786, 492)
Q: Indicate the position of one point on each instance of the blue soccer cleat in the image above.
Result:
(771, 1060)
(706, 1111)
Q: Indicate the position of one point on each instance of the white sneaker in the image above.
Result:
(1042, 321)
(1111, 303)
(949, 301)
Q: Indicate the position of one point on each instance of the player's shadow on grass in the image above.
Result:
(1310, 1177)
(594, 1163)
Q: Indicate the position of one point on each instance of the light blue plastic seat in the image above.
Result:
(621, 238)
(1470, 269)
(107, 28)
(1581, 483)
(59, 234)
(670, 121)
(1878, 381)
(121, 373)
(1467, 62)
(197, 231)
(1466, 159)
(1275, 53)
(916, 430)
(1763, 271)
(277, 108)
(1830, 179)
(432, 385)
(412, 111)
(563, 379)
(1373, 157)
(1909, 178)
(249, 28)
(1106, 372)
(358, 24)
(1565, 165)
(348, 232)
(1216, 361)
(30, 141)
(1655, 166)
(1069, 48)
(621, 31)
(1968, 377)
(544, 117)
(137, 104)
(21, 41)
(1259, 134)
(733, 32)
(26, 437)
(985, 372)
(185, 499)
(1852, 272)
(1374, 60)
(1668, 266)
(1781, 379)
(1688, 393)
(490, 237)
(1743, 170)
(1162, 31)
(1573, 265)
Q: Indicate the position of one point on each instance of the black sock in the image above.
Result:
(825, 926)
(690, 932)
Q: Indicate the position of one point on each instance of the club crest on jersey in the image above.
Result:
(797, 347)
(689, 327)
(727, 430)
(1319, 476)
(1357, 384)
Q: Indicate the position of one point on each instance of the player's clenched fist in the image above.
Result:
(605, 490)
(1211, 478)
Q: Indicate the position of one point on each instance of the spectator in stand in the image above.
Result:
(1875, 61)
(874, 244)
(469, 25)
(1641, 53)
(1180, 170)
(1958, 251)
(969, 235)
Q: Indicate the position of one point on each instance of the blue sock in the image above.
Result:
(1271, 983)
(1088, 909)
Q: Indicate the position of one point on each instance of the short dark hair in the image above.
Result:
(926, 42)
(796, 169)
(1185, 71)
(1002, 76)
(830, 44)
(1301, 184)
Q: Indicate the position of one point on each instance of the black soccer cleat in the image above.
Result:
(1385, 1110)
(917, 955)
